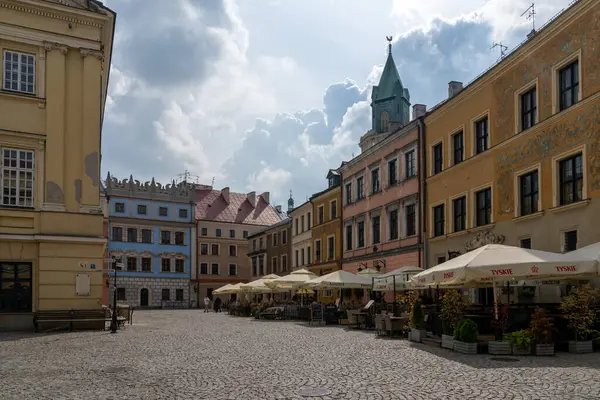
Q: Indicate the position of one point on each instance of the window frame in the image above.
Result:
(142, 264)
(360, 187)
(434, 223)
(119, 203)
(318, 251)
(229, 269)
(348, 192)
(523, 240)
(234, 247)
(182, 269)
(162, 238)
(19, 69)
(360, 237)
(393, 227)
(375, 183)
(181, 233)
(212, 265)
(410, 163)
(332, 208)
(476, 206)
(453, 149)
(532, 198)
(218, 249)
(571, 159)
(405, 206)
(183, 211)
(349, 241)
(141, 209)
(160, 211)
(478, 135)
(464, 212)
(17, 180)
(330, 249)
(163, 261)
(572, 89)
(375, 216)
(206, 268)
(392, 171)
(575, 56)
(437, 165)
(321, 214)
(564, 233)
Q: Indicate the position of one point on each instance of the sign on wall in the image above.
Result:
(82, 284)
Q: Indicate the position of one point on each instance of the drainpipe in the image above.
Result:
(423, 193)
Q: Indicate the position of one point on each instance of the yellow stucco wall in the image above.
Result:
(61, 124)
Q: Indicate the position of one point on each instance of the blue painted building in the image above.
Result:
(152, 231)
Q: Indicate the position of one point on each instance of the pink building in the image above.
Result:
(381, 203)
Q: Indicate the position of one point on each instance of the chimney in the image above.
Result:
(453, 88)
(419, 110)
(266, 197)
(278, 209)
(251, 197)
(225, 194)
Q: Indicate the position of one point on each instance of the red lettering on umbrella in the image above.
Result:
(502, 272)
(566, 268)
(448, 275)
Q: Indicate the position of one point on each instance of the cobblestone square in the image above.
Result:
(187, 354)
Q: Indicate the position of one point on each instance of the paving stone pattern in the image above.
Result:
(188, 354)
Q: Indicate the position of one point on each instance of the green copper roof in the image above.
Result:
(388, 80)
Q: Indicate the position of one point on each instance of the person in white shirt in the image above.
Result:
(206, 304)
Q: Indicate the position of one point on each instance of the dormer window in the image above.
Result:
(385, 121)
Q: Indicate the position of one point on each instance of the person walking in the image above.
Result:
(218, 304)
(206, 304)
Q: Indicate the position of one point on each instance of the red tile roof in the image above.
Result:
(211, 206)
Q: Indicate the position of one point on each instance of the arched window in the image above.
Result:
(385, 121)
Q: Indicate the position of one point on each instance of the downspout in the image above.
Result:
(419, 174)
(423, 192)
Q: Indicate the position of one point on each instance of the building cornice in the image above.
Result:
(60, 12)
(48, 40)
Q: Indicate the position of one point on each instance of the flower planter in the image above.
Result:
(417, 335)
(521, 351)
(464, 347)
(544, 349)
(343, 322)
(448, 342)
(581, 347)
(498, 348)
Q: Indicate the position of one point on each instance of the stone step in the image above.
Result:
(432, 341)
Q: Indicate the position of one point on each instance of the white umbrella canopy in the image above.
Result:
(222, 289)
(289, 281)
(340, 279)
(494, 262)
(402, 279)
(587, 253)
(369, 272)
(231, 289)
(258, 286)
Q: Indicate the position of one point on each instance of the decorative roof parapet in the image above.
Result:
(183, 192)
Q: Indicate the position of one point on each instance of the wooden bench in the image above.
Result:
(68, 317)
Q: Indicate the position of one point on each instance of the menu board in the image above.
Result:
(316, 313)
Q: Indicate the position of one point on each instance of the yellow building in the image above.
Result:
(55, 68)
(326, 232)
(513, 157)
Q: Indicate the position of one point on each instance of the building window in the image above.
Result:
(301, 224)
(146, 264)
(218, 233)
(117, 234)
(528, 109)
(321, 214)
(232, 269)
(19, 72)
(284, 237)
(261, 243)
(331, 248)
(166, 295)
(529, 193)
(571, 179)
(178, 294)
(283, 263)
(119, 207)
(439, 221)
(204, 231)
(392, 172)
(361, 234)
(163, 212)
(165, 237)
(214, 269)
(146, 236)
(232, 250)
(245, 234)
(132, 235)
(376, 229)
(375, 180)
(203, 269)
(254, 245)
(180, 238)
(333, 214)
(318, 250)
(296, 225)
(570, 241)
(438, 158)
(385, 121)
(411, 219)
(481, 135)
(297, 258)
(301, 256)
(131, 264)
(142, 209)
(214, 249)
(348, 188)
(360, 188)
(274, 265)
(525, 243)
(348, 237)
(483, 201)
(275, 238)
(183, 213)
(254, 266)
(308, 221)
(459, 208)
(308, 255)
(410, 164)
(204, 249)
(393, 223)
(121, 294)
(261, 265)
(16, 185)
(179, 266)
(441, 260)
(568, 79)
(458, 147)
(165, 265)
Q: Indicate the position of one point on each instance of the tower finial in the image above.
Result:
(389, 39)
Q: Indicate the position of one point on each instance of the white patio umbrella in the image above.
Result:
(222, 289)
(497, 263)
(232, 289)
(292, 280)
(340, 279)
(590, 253)
(369, 272)
(258, 286)
(399, 277)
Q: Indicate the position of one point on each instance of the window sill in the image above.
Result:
(457, 234)
(31, 97)
(528, 217)
(409, 237)
(482, 228)
(571, 206)
(437, 238)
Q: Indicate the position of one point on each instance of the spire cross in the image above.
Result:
(389, 39)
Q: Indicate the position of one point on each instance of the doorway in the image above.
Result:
(209, 293)
(144, 298)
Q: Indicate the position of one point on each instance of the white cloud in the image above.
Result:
(269, 179)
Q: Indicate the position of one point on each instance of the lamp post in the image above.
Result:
(113, 322)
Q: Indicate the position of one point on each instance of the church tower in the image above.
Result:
(390, 100)
(290, 202)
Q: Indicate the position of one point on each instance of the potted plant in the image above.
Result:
(452, 312)
(465, 337)
(417, 322)
(344, 317)
(580, 313)
(520, 341)
(499, 346)
(541, 328)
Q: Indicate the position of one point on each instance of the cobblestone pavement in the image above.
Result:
(191, 355)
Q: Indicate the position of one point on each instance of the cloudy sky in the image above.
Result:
(267, 95)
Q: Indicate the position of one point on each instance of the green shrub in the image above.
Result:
(466, 331)
(521, 339)
(417, 319)
(453, 310)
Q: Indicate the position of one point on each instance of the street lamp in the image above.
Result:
(113, 322)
